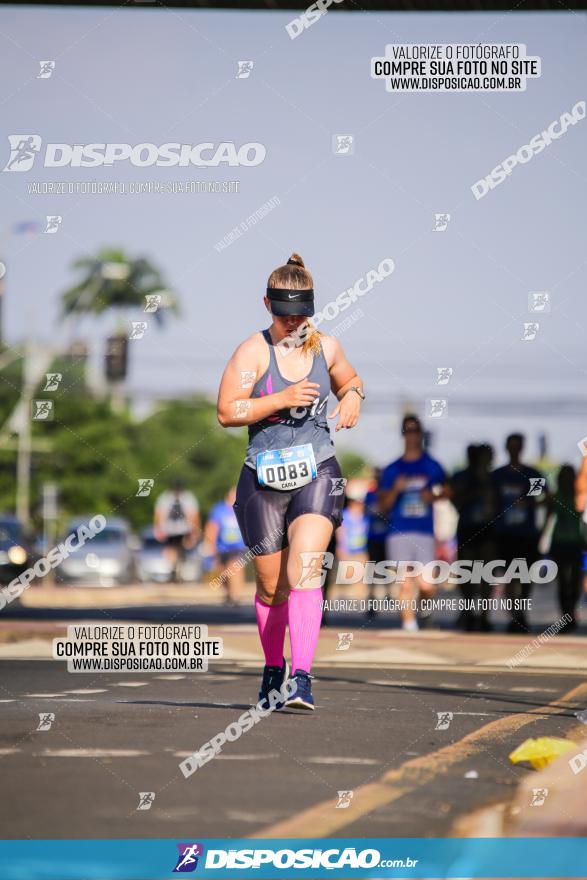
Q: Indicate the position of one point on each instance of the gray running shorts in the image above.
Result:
(265, 514)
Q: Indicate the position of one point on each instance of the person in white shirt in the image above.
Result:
(177, 521)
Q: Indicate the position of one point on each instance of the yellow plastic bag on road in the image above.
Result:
(540, 752)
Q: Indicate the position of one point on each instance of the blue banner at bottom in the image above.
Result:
(293, 858)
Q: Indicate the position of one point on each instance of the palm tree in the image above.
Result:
(113, 281)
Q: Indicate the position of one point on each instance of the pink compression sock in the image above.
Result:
(305, 616)
(271, 622)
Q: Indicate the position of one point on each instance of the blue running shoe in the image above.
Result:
(273, 679)
(302, 698)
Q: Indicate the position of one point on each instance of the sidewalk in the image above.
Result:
(370, 647)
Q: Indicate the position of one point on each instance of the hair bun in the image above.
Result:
(296, 260)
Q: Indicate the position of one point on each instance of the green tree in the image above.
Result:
(112, 280)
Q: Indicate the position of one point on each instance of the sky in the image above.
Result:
(457, 298)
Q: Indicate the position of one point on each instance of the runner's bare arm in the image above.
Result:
(235, 405)
(386, 498)
(342, 379)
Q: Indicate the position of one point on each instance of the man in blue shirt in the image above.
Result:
(409, 486)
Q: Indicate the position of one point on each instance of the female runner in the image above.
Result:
(290, 493)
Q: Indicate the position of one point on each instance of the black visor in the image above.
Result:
(291, 302)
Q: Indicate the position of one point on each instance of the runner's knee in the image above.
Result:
(273, 595)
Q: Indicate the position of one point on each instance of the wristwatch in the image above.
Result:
(358, 390)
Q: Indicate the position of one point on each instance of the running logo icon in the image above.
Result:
(187, 861)
(145, 486)
(530, 330)
(46, 719)
(314, 564)
(42, 410)
(344, 641)
(244, 69)
(537, 485)
(137, 330)
(53, 224)
(539, 301)
(47, 68)
(52, 381)
(152, 302)
(443, 375)
(444, 719)
(146, 799)
(441, 222)
(338, 484)
(23, 151)
(343, 144)
(438, 408)
(539, 795)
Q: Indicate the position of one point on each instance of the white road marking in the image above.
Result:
(246, 757)
(90, 753)
(60, 694)
(474, 713)
(73, 700)
(329, 759)
(9, 751)
(170, 677)
(7, 701)
(131, 684)
(87, 691)
(261, 756)
(540, 690)
(392, 683)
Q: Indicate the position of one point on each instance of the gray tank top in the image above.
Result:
(292, 427)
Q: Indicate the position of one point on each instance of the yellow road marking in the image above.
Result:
(322, 820)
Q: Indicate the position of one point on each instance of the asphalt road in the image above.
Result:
(374, 733)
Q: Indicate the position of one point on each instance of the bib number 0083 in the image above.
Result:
(293, 472)
(287, 468)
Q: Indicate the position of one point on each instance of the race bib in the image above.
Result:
(413, 506)
(288, 468)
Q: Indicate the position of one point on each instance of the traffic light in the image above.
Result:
(116, 358)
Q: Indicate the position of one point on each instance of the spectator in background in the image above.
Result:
(376, 531)
(473, 495)
(330, 577)
(177, 523)
(224, 541)
(409, 486)
(567, 544)
(581, 484)
(352, 533)
(518, 488)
